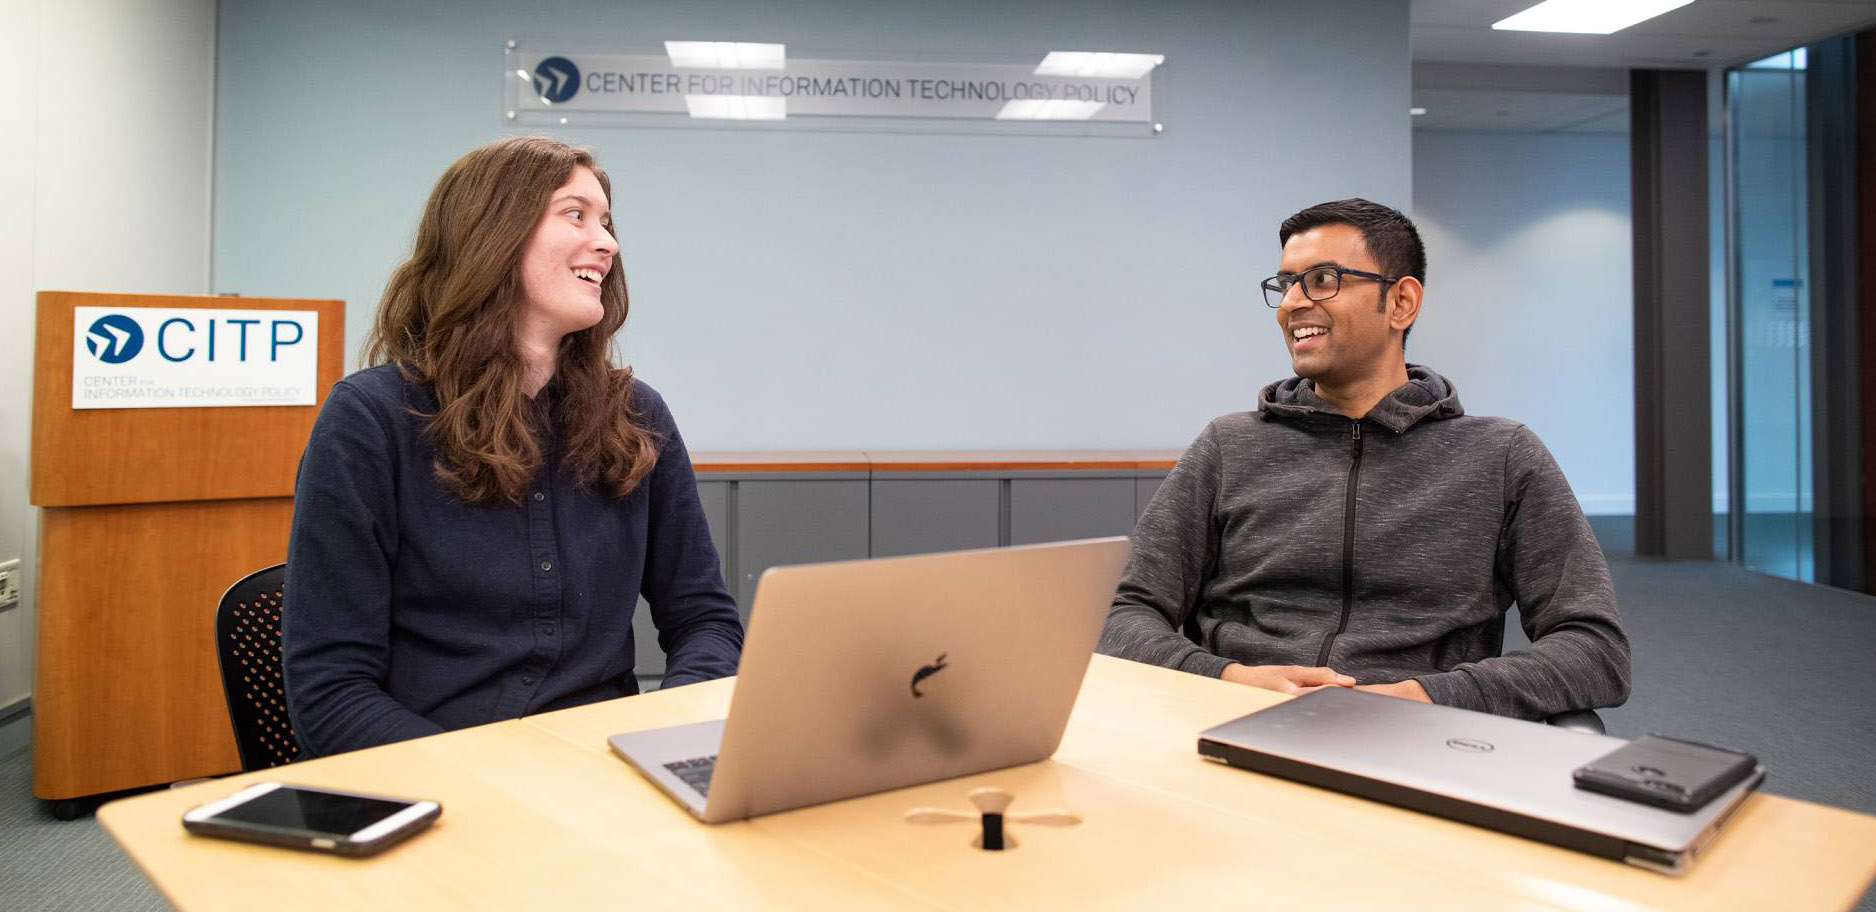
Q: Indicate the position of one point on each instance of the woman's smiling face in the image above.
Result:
(567, 259)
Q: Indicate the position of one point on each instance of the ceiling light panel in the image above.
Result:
(1589, 17)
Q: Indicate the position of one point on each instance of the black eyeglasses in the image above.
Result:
(1319, 284)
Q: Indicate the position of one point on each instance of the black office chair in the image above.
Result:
(247, 640)
(1581, 720)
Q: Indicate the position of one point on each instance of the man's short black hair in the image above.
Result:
(1391, 237)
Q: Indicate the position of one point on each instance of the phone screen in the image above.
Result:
(318, 812)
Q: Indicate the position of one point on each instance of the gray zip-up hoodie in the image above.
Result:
(1386, 548)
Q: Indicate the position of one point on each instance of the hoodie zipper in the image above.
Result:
(1348, 549)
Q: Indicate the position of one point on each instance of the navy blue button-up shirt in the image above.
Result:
(409, 612)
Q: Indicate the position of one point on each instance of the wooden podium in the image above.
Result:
(148, 515)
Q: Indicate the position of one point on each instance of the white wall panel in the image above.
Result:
(104, 186)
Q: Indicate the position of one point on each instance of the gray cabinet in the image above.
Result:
(795, 521)
(761, 520)
(1143, 490)
(921, 515)
(1058, 509)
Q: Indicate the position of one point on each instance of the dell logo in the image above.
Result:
(556, 79)
(936, 666)
(1470, 745)
(114, 338)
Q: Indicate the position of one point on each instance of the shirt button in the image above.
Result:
(547, 630)
(528, 682)
(539, 496)
(547, 565)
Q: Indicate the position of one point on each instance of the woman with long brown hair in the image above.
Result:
(477, 514)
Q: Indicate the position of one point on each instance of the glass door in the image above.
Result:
(1772, 456)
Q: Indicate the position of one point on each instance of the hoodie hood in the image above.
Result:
(1426, 396)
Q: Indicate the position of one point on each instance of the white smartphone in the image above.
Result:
(322, 820)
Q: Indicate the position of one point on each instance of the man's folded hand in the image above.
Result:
(1409, 689)
(1289, 679)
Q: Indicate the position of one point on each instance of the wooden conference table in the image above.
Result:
(537, 812)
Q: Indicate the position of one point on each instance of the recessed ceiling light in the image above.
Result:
(736, 107)
(1591, 17)
(727, 55)
(1416, 112)
(1098, 64)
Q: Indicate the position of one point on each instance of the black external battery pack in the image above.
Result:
(1666, 772)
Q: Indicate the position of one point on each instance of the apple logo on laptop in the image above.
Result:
(936, 666)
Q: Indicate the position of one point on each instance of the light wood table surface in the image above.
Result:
(538, 812)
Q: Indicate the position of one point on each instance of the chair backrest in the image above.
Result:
(247, 640)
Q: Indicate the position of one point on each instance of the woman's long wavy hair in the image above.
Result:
(449, 320)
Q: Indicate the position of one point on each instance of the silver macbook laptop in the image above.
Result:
(1476, 768)
(863, 676)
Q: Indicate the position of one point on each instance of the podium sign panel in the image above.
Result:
(175, 357)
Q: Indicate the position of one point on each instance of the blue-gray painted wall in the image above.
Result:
(1529, 305)
(800, 289)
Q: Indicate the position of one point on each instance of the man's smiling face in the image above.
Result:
(1341, 340)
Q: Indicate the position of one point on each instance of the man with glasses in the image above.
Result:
(1359, 529)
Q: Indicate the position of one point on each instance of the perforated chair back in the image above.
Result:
(247, 640)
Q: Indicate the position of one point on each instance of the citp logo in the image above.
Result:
(187, 357)
(114, 338)
(556, 79)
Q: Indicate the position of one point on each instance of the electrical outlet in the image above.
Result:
(10, 584)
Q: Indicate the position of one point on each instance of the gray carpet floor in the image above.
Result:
(1723, 655)
(1784, 670)
(49, 865)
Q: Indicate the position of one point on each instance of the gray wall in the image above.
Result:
(1529, 298)
(797, 289)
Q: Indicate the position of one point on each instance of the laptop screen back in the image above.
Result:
(862, 676)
